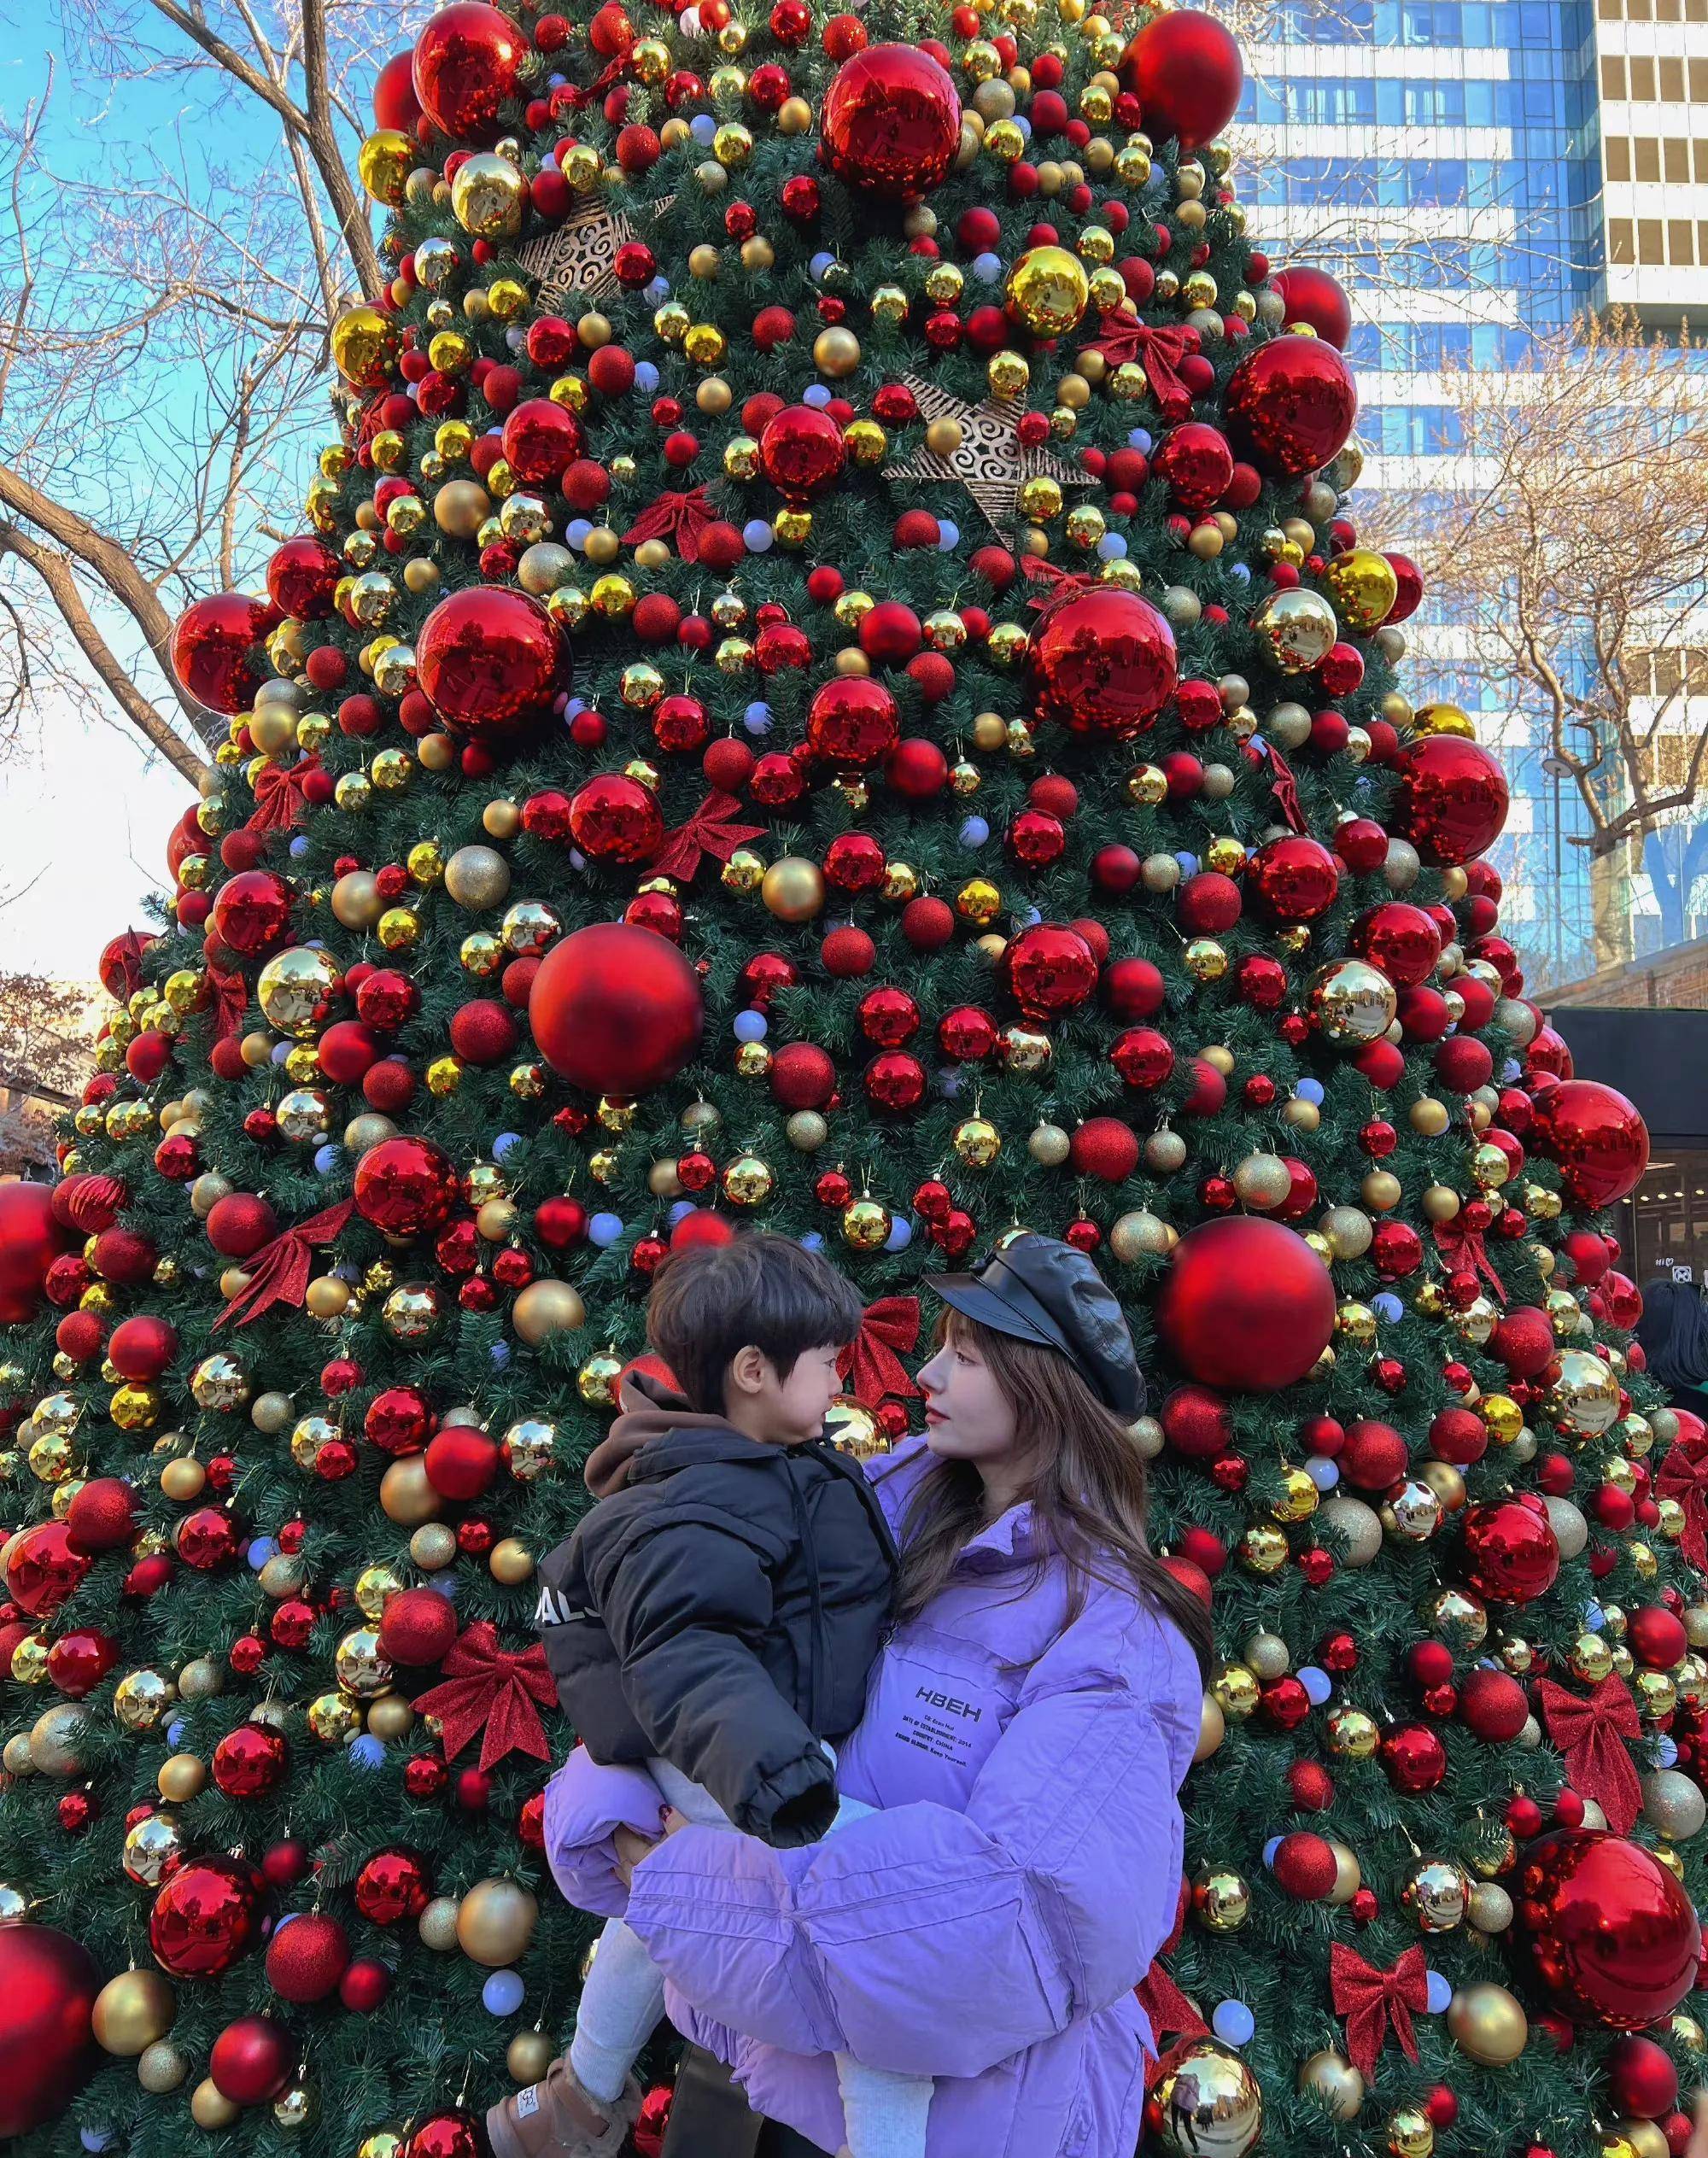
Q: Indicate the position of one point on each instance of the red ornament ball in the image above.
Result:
(29, 1244)
(1452, 799)
(251, 911)
(43, 1565)
(1305, 1866)
(1312, 297)
(1609, 1934)
(447, 2135)
(251, 2061)
(853, 721)
(1493, 1704)
(461, 1462)
(1290, 405)
(1246, 1306)
(405, 1186)
(803, 1076)
(103, 1513)
(1596, 1137)
(48, 1982)
(1185, 69)
(1103, 663)
(1050, 968)
(302, 577)
(365, 1985)
(1656, 1638)
(212, 646)
(487, 659)
(616, 1010)
(1197, 464)
(1105, 1148)
(541, 440)
(417, 1626)
(1524, 1341)
(614, 818)
(467, 64)
(891, 123)
(1510, 1555)
(205, 1916)
(391, 1885)
(250, 1761)
(307, 1957)
(1293, 879)
(801, 451)
(1642, 2079)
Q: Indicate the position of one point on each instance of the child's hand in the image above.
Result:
(673, 1821)
(631, 1849)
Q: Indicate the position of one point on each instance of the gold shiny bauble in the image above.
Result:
(748, 1181)
(495, 1921)
(794, 889)
(1443, 719)
(977, 1141)
(1435, 1895)
(1410, 2133)
(1486, 2023)
(363, 341)
(360, 1667)
(596, 1380)
(1235, 1690)
(209, 2106)
(405, 1494)
(390, 1717)
(546, 1308)
(1363, 586)
(297, 2105)
(461, 507)
(1221, 1900)
(1352, 1002)
(1584, 1399)
(334, 1718)
(141, 1700)
(1298, 627)
(836, 352)
(1352, 1734)
(132, 2011)
(530, 2053)
(180, 1777)
(162, 2067)
(1049, 289)
(511, 1561)
(1209, 2105)
(295, 991)
(1263, 1549)
(412, 1313)
(865, 1225)
(487, 196)
(382, 2142)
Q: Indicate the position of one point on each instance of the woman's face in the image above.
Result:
(967, 1417)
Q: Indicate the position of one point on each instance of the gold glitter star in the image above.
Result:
(574, 260)
(989, 462)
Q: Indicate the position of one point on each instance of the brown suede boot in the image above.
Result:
(555, 2117)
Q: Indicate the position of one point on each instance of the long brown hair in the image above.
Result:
(1089, 1490)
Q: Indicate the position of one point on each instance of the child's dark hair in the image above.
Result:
(710, 1301)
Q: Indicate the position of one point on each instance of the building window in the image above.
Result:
(1698, 77)
(1668, 11)
(1620, 246)
(1696, 10)
(1678, 241)
(1618, 158)
(1642, 79)
(1648, 158)
(1612, 75)
(1648, 240)
(1699, 153)
(1638, 10)
(1678, 155)
(1702, 240)
(1672, 81)
(1607, 9)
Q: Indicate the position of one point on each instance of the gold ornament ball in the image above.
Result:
(461, 507)
(326, 1298)
(1486, 2023)
(495, 1921)
(511, 1562)
(209, 2106)
(1139, 1235)
(1490, 1909)
(487, 196)
(132, 2011)
(57, 1739)
(295, 991)
(390, 1717)
(406, 1495)
(1331, 2078)
(865, 1225)
(297, 2105)
(1212, 1729)
(806, 1131)
(162, 2067)
(437, 1925)
(181, 1480)
(433, 1545)
(1049, 289)
(1299, 627)
(1209, 2105)
(1352, 1002)
(529, 2055)
(1364, 587)
(792, 889)
(545, 1309)
(478, 877)
(1049, 1145)
(181, 1776)
(1410, 2133)
(836, 352)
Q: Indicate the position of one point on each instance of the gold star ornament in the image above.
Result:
(573, 261)
(977, 447)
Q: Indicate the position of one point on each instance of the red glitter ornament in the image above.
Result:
(306, 1958)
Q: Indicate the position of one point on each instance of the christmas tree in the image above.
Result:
(828, 682)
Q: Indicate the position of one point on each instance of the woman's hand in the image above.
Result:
(632, 1848)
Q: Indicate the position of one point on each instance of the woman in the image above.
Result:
(1026, 1729)
(1674, 1332)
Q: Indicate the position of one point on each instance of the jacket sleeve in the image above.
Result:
(686, 1604)
(1048, 1897)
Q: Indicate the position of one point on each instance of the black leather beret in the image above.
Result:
(1040, 1290)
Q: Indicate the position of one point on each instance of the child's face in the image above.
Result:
(778, 1411)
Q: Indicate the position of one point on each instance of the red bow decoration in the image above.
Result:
(712, 829)
(1373, 2000)
(494, 1691)
(889, 1331)
(1282, 784)
(279, 794)
(573, 96)
(231, 1002)
(680, 517)
(1684, 1475)
(1166, 2007)
(1062, 583)
(278, 1273)
(1591, 1730)
(1463, 1247)
(1160, 349)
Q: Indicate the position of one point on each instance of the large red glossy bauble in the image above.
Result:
(77, 1663)
(1293, 879)
(1247, 1306)
(1185, 69)
(541, 441)
(1409, 578)
(392, 1885)
(1290, 405)
(616, 1011)
(461, 1462)
(250, 1760)
(1103, 662)
(485, 657)
(405, 1186)
(891, 123)
(1311, 297)
(251, 2061)
(801, 451)
(1050, 968)
(1511, 1555)
(30, 1242)
(395, 103)
(212, 643)
(1400, 939)
(1197, 464)
(1609, 1934)
(1452, 799)
(302, 577)
(43, 1567)
(465, 68)
(447, 2135)
(48, 1982)
(205, 1916)
(852, 721)
(614, 818)
(1596, 1136)
(252, 910)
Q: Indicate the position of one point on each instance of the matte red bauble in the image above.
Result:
(302, 577)
(1642, 2079)
(250, 1760)
(1293, 879)
(417, 1626)
(614, 818)
(461, 1462)
(405, 1186)
(801, 451)
(891, 123)
(1185, 69)
(251, 910)
(541, 440)
(1311, 297)
(251, 2061)
(1197, 464)
(1247, 1306)
(1290, 405)
(29, 1244)
(487, 659)
(1452, 799)
(1596, 1137)
(212, 642)
(205, 1916)
(1510, 1555)
(48, 1982)
(616, 1011)
(1609, 1934)
(1103, 663)
(1050, 968)
(1401, 939)
(853, 721)
(43, 1567)
(307, 1957)
(466, 66)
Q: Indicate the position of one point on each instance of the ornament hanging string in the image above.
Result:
(278, 1273)
(494, 1691)
(1591, 1731)
(1373, 2001)
(872, 1363)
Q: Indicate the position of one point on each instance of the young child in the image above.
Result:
(714, 1616)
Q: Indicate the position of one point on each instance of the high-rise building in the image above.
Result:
(1480, 173)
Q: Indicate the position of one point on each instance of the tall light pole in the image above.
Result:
(1558, 769)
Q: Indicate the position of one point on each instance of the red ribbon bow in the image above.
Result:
(1166, 2007)
(1062, 583)
(1373, 2000)
(1281, 783)
(278, 1273)
(1160, 348)
(494, 1691)
(280, 793)
(231, 1002)
(1461, 1246)
(680, 517)
(712, 829)
(889, 1331)
(1684, 1474)
(1591, 1730)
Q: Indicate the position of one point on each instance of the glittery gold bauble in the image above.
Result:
(436, 1925)
(1209, 2105)
(1048, 1144)
(546, 1308)
(1352, 1002)
(495, 1921)
(794, 889)
(1139, 1235)
(1584, 1399)
(1332, 2080)
(295, 991)
(478, 877)
(405, 1494)
(162, 2067)
(433, 1546)
(1486, 2023)
(132, 2011)
(1299, 628)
